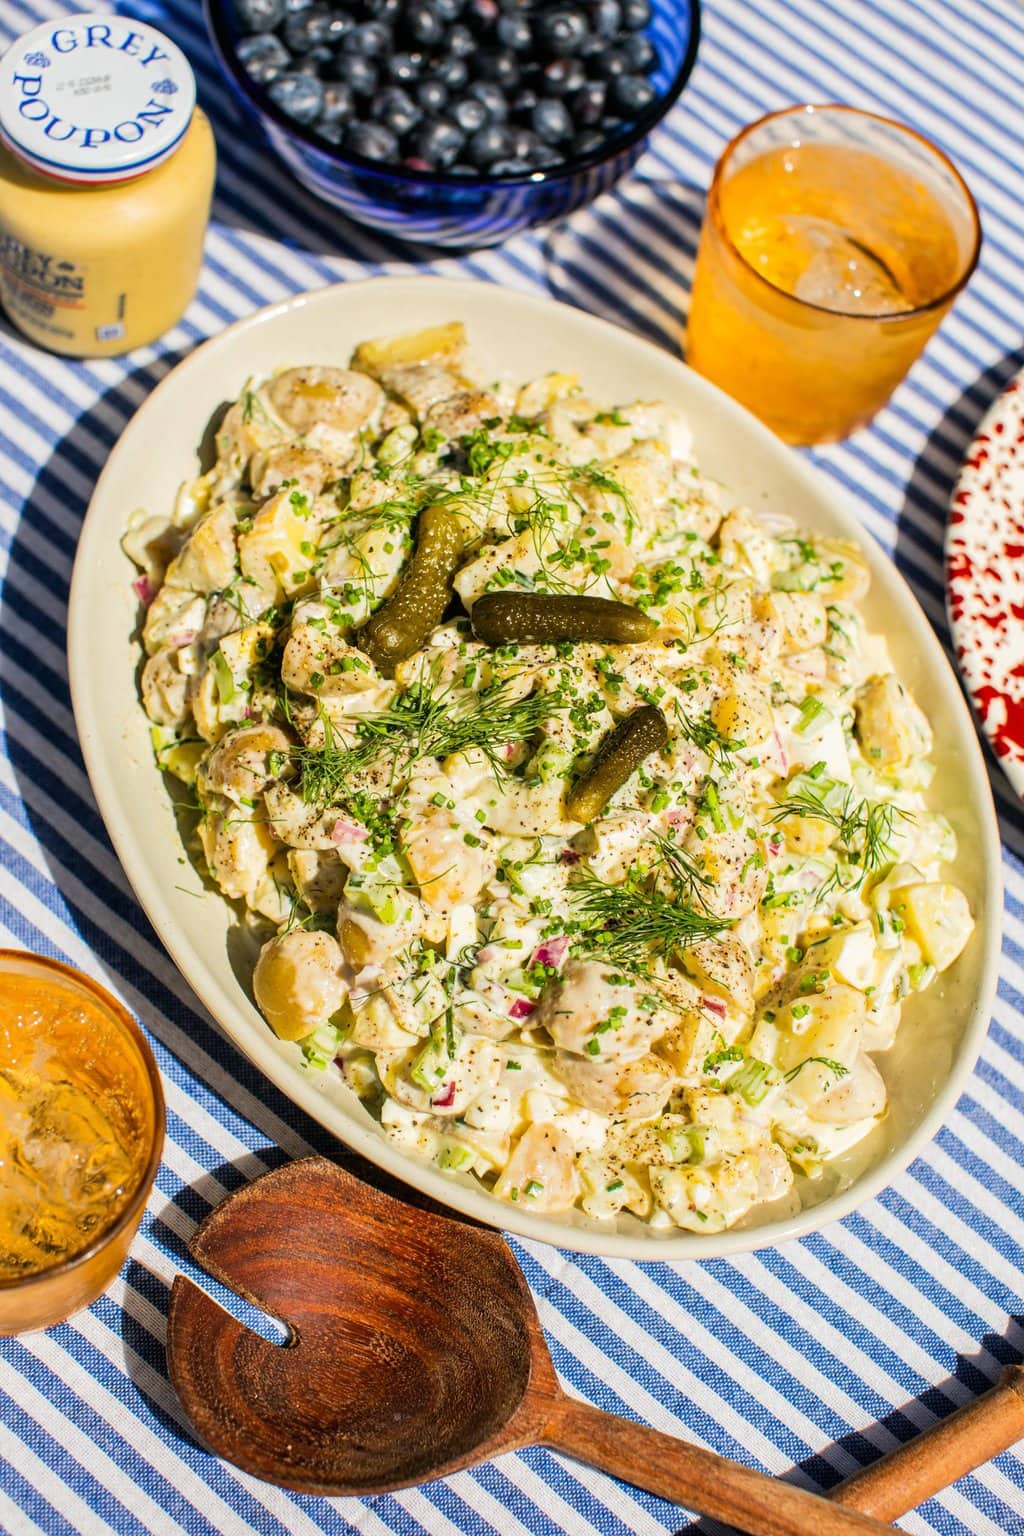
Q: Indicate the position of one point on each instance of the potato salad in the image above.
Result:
(582, 821)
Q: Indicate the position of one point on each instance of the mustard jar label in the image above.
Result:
(94, 98)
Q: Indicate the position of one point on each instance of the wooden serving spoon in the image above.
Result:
(415, 1351)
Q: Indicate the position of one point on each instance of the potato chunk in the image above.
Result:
(298, 982)
(891, 729)
(938, 917)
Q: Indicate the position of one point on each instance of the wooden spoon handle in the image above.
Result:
(949, 1450)
(696, 1478)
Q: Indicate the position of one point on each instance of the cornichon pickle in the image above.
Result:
(402, 624)
(619, 755)
(538, 618)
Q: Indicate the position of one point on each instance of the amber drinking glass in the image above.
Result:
(833, 244)
(81, 1134)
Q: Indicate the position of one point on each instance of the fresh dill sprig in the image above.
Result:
(865, 828)
(658, 909)
(701, 731)
(837, 1068)
(684, 876)
(427, 720)
(624, 923)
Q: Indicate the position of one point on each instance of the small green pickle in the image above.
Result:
(402, 624)
(619, 755)
(539, 618)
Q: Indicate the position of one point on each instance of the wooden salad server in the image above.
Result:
(415, 1350)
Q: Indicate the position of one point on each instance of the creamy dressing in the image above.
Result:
(672, 1011)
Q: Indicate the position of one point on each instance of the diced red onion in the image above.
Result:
(782, 761)
(144, 590)
(552, 951)
(445, 1098)
(183, 637)
(569, 856)
(713, 1005)
(521, 1008)
(348, 832)
(774, 849)
(678, 818)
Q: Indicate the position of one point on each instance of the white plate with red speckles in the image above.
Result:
(985, 577)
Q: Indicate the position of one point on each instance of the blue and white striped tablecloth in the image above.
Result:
(824, 1352)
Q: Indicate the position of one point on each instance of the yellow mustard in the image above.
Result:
(106, 175)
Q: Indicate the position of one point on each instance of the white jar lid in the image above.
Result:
(94, 98)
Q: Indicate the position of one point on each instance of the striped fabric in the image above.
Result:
(822, 1353)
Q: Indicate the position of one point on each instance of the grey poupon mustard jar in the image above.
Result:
(106, 174)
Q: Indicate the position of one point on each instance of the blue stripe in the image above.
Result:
(629, 258)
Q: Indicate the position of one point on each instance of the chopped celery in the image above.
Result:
(814, 716)
(753, 1080)
(682, 1143)
(452, 1157)
(920, 975)
(436, 1056)
(223, 677)
(320, 1048)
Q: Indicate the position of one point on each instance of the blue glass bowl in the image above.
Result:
(462, 212)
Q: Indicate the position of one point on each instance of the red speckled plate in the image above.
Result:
(985, 577)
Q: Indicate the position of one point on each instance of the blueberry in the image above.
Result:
(562, 76)
(383, 10)
(513, 31)
(331, 131)
(372, 141)
(293, 7)
(499, 65)
(636, 14)
(358, 72)
(482, 13)
(452, 73)
(424, 24)
(263, 56)
(632, 94)
(607, 65)
(551, 121)
(588, 103)
(469, 113)
(562, 30)
(396, 109)
(301, 97)
(510, 168)
(591, 46)
(492, 96)
(490, 143)
(448, 10)
(432, 95)
(371, 38)
(339, 104)
(439, 143)
(524, 101)
(259, 15)
(460, 168)
(639, 52)
(542, 157)
(460, 42)
(588, 142)
(315, 62)
(312, 28)
(524, 143)
(404, 68)
(605, 17)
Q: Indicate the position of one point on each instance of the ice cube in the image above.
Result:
(842, 274)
